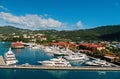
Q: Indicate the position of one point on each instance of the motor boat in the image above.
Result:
(55, 62)
(76, 56)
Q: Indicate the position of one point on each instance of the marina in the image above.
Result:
(60, 39)
(28, 65)
(59, 63)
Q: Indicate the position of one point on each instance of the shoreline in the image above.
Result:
(80, 68)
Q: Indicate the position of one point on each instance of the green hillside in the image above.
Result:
(111, 32)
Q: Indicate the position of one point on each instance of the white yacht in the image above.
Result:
(10, 57)
(76, 56)
(92, 63)
(98, 62)
(47, 49)
(55, 62)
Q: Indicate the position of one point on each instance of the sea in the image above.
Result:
(32, 56)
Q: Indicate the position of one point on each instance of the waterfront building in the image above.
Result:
(110, 57)
(91, 46)
(17, 45)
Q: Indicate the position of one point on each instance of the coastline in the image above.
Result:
(35, 67)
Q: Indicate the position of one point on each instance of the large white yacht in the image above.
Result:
(98, 62)
(55, 62)
(76, 56)
(10, 57)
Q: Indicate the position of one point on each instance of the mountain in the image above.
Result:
(111, 37)
(98, 33)
(111, 32)
(8, 30)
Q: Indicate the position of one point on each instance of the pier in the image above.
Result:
(38, 67)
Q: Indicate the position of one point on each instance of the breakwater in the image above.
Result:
(37, 67)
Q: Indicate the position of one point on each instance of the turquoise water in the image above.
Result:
(33, 55)
(45, 74)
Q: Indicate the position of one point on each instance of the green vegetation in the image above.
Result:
(108, 33)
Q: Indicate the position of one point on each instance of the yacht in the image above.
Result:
(59, 53)
(10, 57)
(47, 49)
(62, 52)
(76, 56)
(98, 62)
(55, 62)
(92, 63)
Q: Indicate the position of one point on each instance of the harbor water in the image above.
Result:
(31, 56)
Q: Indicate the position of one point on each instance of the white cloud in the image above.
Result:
(79, 24)
(4, 8)
(30, 21)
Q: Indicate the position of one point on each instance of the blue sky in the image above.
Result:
(59, 14)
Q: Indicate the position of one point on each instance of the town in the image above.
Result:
(64, 49)
(105, 50)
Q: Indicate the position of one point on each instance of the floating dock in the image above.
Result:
(37, 67)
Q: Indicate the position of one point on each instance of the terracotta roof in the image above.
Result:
(110, 56)
(17, 44)
(64, 44)
(86, 51)
(91, 45)
(60, 43)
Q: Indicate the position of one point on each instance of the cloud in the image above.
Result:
(2, 7)
(30, 21)
(79, 24)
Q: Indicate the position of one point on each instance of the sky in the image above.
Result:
(59, 14)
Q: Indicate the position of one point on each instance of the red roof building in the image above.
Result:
(64, 44)
(96, 46)
(110, 56)
(86, 51)
(17, 45)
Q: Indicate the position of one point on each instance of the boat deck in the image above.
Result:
(2, 62)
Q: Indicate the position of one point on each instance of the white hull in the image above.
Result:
(11, 62)
(55, 62)
(76, 56)
(98, 63)
(92, 64)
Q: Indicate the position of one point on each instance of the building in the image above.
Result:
(70, 45)
(92, 46)
(17, 45)
(42, 38)
(110, 57)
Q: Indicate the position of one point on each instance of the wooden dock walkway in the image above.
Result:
(38, 67)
